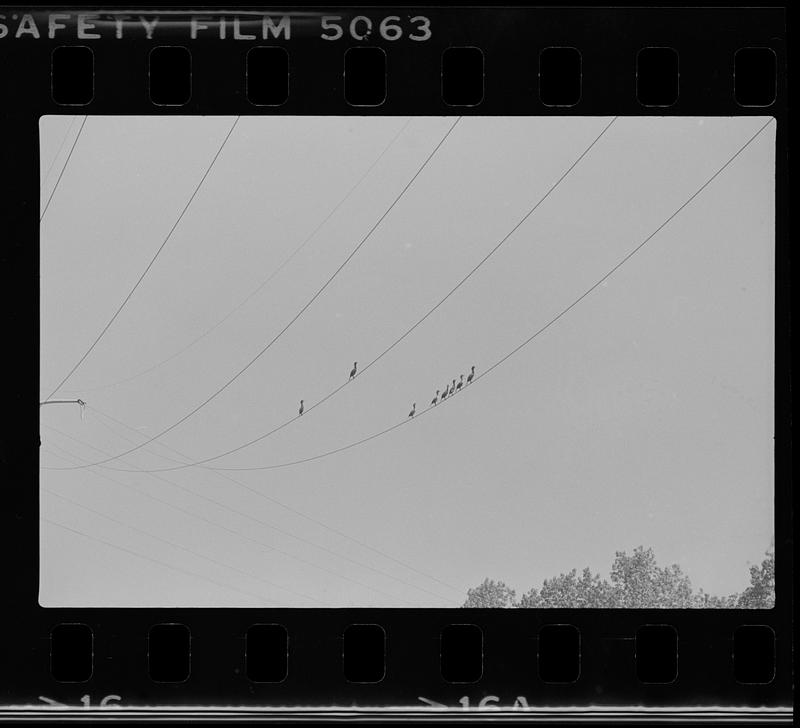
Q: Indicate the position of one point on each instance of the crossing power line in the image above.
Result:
(305, 307)
(180, 547)
(504, 358)
(285, 506)
(254, 519)
(262, 545)
(152, 260)
(144, 557)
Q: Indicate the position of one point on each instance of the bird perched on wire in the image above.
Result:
(452, 388)
(302, 408)
(353, 370)
(471, 374)
(444, 392)
(460, 383)
(413, 410)
(435, 400)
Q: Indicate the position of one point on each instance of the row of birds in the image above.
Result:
(448, 391)
(441, 394)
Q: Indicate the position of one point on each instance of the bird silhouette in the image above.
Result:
(471, 374)
(444, 393)
(353, 370)
(452, 388)
(301, 407)
(460, 383)
(413, 409)
(435, 400)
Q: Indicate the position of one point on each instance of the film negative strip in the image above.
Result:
(396, 362)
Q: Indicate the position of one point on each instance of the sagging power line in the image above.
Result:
(305, 307)
(398, 340)
(507, 356)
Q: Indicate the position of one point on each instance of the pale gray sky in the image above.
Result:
(643, 416)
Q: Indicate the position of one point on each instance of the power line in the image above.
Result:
(296, 316)
(527, 341)
(61, 174)
(264, 282)
(289, 508)
(338, 389)
(259, 521)
(152, 260)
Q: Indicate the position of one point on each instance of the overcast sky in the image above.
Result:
(643, 416)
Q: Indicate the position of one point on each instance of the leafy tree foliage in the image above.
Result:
(490, 594)
(704, 600)
(637, 582)
(571, 591)
(761, 592)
